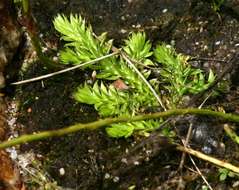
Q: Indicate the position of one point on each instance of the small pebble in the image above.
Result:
(123, 31)
(217, 43)
(116, 179)
(138, 26)
(55, 58)
(164, 10)
(123, 18)
(107, 176)
(124, 160)
(136, 163)
(62, 171)
(90, 150)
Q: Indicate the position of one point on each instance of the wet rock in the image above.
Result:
(205, 134)
(205, 137)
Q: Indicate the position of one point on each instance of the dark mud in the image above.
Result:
(91, 160)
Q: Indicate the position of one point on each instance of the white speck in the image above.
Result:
(34, 53)
(40, 35)
(44, 49)
(236, 184)
(12, 121)
(148, 152)
(55, 58)
(116, 179)
(197, 43)
(62, 171)
(205, 47)
(13, 154)
(136, 163)
(123, 31)
(217, 43)
(124, 160)
(172, 42)
(91, 150)
(236, 45)
(164, 10)
(138, 26)
(168, 46)
(123, 18)
(107, 176)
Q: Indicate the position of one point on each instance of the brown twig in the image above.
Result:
(208, 158)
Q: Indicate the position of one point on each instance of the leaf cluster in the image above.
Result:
(177, 76)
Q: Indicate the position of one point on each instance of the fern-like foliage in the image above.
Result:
(179, 76)
(138, 48)
(107, 101)
(127, 129)
(81, 45)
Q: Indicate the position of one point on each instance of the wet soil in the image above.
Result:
(90, 159)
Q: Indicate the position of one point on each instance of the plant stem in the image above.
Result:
(100, 123)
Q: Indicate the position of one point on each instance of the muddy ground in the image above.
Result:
(92, 160)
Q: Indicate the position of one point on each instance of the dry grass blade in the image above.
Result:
(64, 70)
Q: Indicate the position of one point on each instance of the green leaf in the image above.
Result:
(137, 47)
(127, 129)
(183, 79)
(107, 101)
(120, 130)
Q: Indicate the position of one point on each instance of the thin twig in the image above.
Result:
(125, 57)
(200, 173)
(186, 145)
(208, 158)
(206, 59)
(189, 134)
(64, 70)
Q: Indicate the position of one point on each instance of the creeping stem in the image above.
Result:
(104, 122)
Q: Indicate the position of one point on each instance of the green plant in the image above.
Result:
(225, 173)
(178, 78)
(216, 4)
(24, 4)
